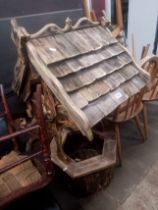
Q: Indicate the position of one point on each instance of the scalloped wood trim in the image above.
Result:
(53, 28)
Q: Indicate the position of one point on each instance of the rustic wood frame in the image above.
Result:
(150, 64)
(45, 152)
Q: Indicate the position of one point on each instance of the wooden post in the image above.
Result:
(93, 15)
(156, 39)
(145, 50)
(119, 14)
(119, 18)
(86, 9)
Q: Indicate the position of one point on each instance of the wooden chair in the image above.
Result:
(21, 174)
(150, 64)
(127, 111)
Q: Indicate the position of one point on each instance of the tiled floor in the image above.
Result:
(135, 184)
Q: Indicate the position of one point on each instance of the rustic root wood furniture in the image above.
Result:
(21, 174)
(85, 75)
(150, 64)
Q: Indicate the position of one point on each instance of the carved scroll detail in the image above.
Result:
(82, 22)
(53, 28)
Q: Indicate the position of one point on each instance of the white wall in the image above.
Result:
(108, 9)
(142, 22)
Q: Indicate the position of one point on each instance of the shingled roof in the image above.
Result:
(89, 72)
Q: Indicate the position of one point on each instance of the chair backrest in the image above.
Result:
(150, 64)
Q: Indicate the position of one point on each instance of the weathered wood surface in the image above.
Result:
(75, 114)
(88, 166)
(87, 70)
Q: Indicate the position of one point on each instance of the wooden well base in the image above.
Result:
(87, 166)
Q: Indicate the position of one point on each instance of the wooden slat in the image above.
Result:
(129, 88)
(115, 49)
(78, 99)
(106, 104)
(99, 44)
(95, 90)
(90, 59)
(78, 80)
(107, 68)
(98, 72)
(79, 63)
(100, 87)
(78, 42)
(94, 33)
(105, 34)
(119, 96)
(125, 58)
(152, 94)
(65, 46)
(84, 61)
(115, 63)
(89, 39)
(48, 53)
(105, 53)
(74, 64)
(138, 82)
(129, 71)
(71, 66)
(100, 108)
(93, 114)
(60, 70)
(91, 165)
(83, 78)
(114, 80)
(89, 94)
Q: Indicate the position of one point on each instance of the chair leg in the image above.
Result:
(145, 118)
(119, 149)
(137, 120)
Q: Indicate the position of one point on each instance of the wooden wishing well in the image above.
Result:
(86, 74)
